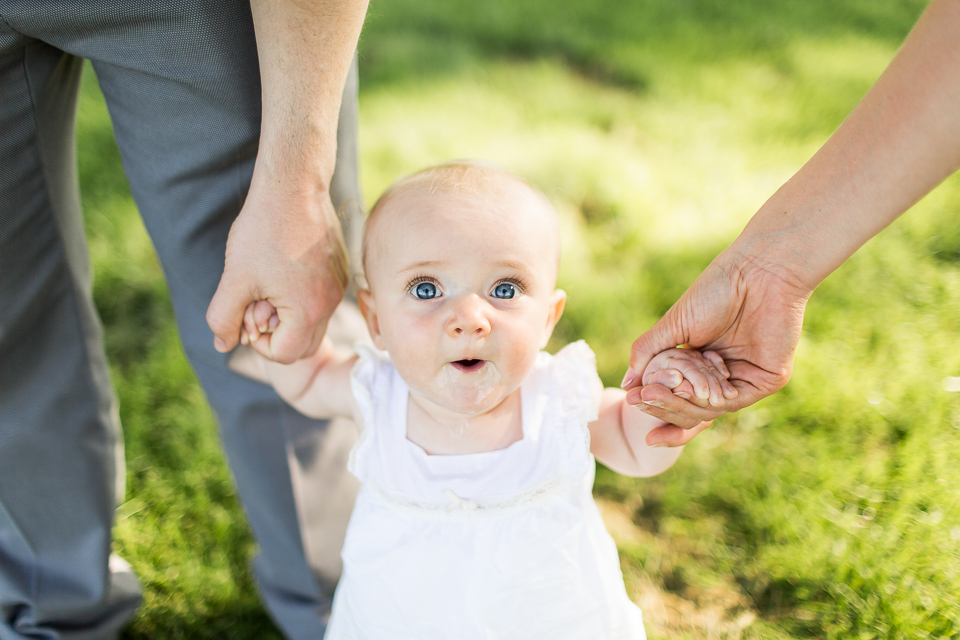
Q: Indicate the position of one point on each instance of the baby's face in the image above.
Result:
(462, 292)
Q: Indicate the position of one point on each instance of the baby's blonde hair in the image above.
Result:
(467, 177)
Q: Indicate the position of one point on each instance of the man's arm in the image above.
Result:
(286, 246)
(900, 142)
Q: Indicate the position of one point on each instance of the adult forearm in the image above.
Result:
(305, 49)
(285, 247)
(899, 143)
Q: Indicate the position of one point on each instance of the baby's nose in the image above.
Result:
(469, 319)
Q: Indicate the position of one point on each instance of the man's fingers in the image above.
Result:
(294, 339)
(263, 346)
(225, 315)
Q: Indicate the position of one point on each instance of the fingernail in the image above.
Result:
(685, 396)
(263, 327)
(628, 379)
(703, 395)
(244, 339)
(657, 445)
(219, 345)
(653, 403)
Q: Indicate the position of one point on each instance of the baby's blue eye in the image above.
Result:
(504, 290)
(425, 290)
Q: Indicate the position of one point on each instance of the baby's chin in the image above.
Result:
(469, 397)
(467, 402)
(472, 393)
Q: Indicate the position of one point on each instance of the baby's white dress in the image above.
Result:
(505, 544)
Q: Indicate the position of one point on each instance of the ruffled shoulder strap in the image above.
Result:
(567, 390)
(370, 381)
(574, 369)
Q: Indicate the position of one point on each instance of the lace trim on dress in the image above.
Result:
(460, 508)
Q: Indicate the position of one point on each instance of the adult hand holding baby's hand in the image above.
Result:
(286, 248)
(701, 378)
(747, 312)
(260, 320)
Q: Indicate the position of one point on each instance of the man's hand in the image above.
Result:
(748, 313)
(286, 246)
(287, 249)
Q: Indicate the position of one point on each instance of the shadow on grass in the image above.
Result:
(235, 619)
(618, 45)
(133, 315)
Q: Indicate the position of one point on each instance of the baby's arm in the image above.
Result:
(618, 436)
(317, 386)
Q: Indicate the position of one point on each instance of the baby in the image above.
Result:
(475, 518)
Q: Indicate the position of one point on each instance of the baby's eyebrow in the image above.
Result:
(512, 264)
(416, 266)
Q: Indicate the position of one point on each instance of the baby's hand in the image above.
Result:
(259, 321)
(698, 377)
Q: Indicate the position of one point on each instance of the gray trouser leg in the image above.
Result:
(59, 432)
(182, 86)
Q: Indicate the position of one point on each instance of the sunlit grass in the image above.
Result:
(656, 128)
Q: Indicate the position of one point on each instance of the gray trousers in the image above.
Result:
(182, 85)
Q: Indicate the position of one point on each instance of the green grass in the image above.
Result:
(831, 510)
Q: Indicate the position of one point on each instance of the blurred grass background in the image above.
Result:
(657, 127)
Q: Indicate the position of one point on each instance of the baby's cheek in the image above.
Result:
(521, 356)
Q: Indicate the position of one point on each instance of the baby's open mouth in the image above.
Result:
(468, 366)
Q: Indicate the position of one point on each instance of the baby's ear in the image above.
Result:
(369, 310)
(557, 301)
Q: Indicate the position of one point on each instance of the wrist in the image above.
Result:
(773, 254)
(770, 266)
(296, 159)
(797, 237)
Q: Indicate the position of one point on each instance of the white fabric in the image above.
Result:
(499, 545)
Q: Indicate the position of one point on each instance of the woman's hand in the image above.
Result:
(749, 313)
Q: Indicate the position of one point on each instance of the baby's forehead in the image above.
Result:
(462, 195)
(510, 201)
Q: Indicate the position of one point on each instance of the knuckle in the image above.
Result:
(217, 322)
